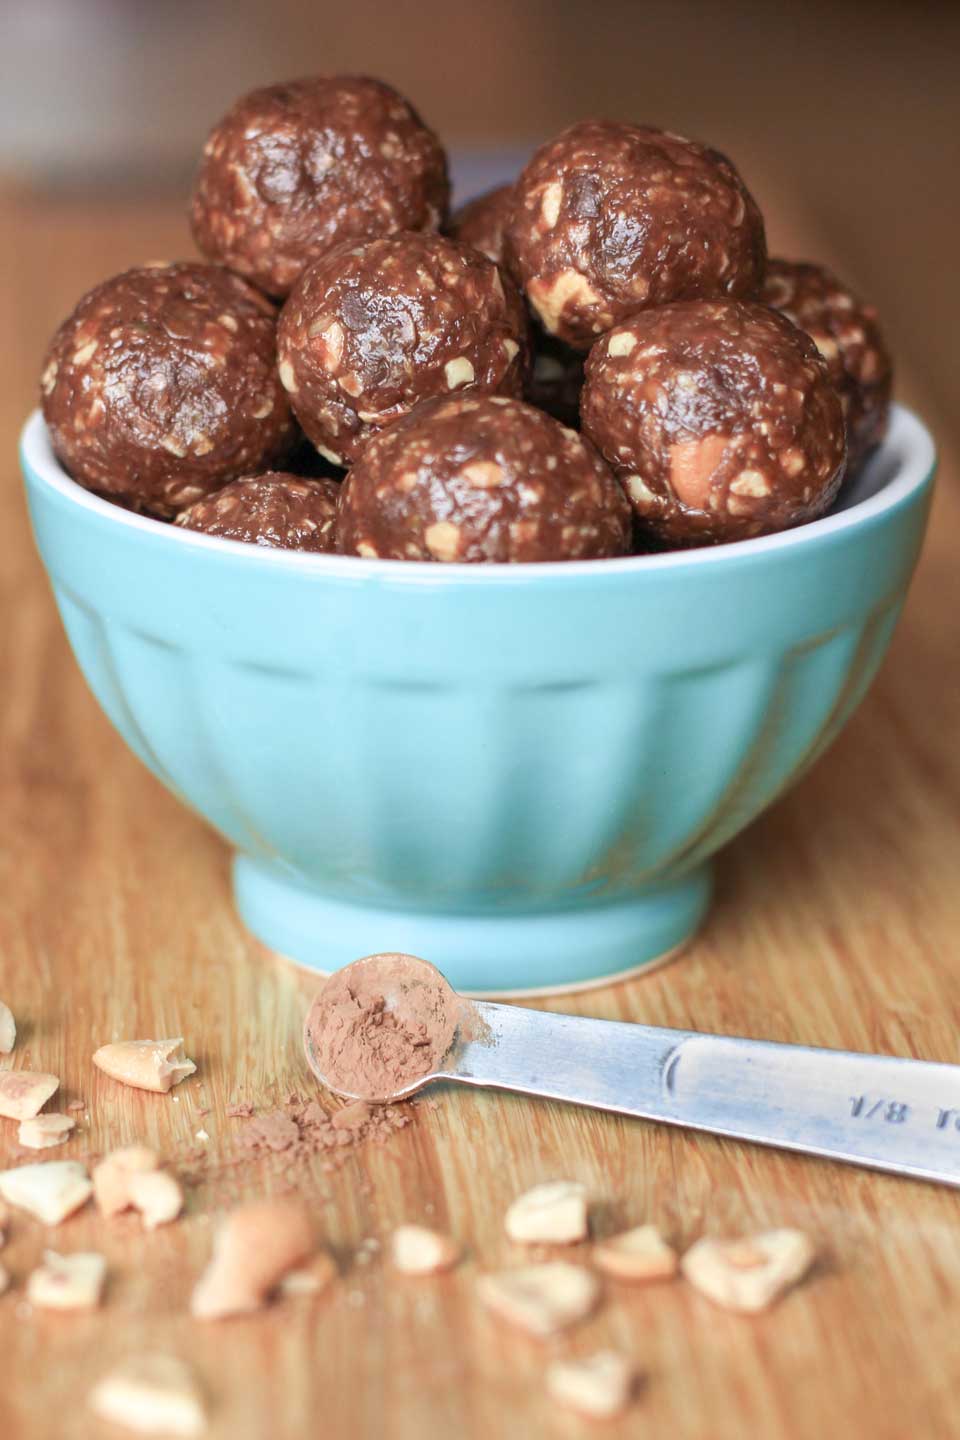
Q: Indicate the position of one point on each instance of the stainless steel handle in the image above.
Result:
(892, 1114)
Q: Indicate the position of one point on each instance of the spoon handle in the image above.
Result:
(875, 1110)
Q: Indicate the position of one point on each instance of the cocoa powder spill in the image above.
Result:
(381, 1025)
(308, 1130)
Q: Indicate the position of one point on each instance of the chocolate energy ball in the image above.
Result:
(847, 334)
(477, 478)
(481, 222)
(277, 510)
(718, 417)
(162, 385)
(556, 379)
(294, 169)
(372, 330)
(609, 219)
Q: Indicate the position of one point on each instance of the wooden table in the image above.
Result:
(838, 923)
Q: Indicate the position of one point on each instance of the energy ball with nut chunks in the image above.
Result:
(718, 417)
(277, 510)
(293, 170)
(478, 478)
(481, 222)
(162, 385)
(610, 218)
(371, 330)
(847, 334)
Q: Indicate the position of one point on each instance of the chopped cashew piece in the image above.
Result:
(552, 1214)
(311, 1278)
(111, 1178)
(145, 1064)
(157, 1195)
(50, 1190)
(638, 1254)
(8, 1029)
(45, 1131)
(419, 1251)
(749, 1275)
(132, 1178)
(23, 1093)
(598, 1386)
(67, 1282)
(151, 1395)
(541, 1299)
(255, 1246)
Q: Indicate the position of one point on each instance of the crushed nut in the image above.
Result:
(552, 1214)
(418, 1250)
(132, 1177)
(541, 1299)
(621, 342)
(255, 1246)
(111, 1178)
(157, 1195)
(151, 1395)
(637, 1254)
(458, 372)
(749, 1275)
(50, 1191)
(310, 1279)
(598, 1386)
(8, 1029)
(44, 1131)
(67, 1282)
(4, 1279)
(146, 1064)
(23, 1093)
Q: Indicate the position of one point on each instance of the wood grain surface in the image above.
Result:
(837, 923)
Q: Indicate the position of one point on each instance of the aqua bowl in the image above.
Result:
(518, 772)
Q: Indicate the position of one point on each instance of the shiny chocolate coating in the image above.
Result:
(718, 417)
(294, 169)
(609, 219)
(371, 330)
(162, 385)
(846, 332)
(276, 510)
(480, 478)
(481, 222)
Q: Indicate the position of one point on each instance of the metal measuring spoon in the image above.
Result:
(891, 1114)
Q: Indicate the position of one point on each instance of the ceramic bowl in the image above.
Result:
(518, 772)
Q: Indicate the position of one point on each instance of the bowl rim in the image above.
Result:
(915, 470)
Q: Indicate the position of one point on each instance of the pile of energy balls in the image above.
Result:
(594, 360)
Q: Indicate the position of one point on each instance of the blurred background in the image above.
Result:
(844, 113)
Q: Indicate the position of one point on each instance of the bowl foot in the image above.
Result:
(511, 954)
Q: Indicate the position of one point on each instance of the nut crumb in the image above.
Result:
(42, 1132)
(8, 1029)
(638, 1254)
(23, 1093)
(310, 1279)
(749, 1275)
(541, 1299)
(598, 1386)
(418, 1250)
(151, 1395)
(551, 1214)
(67, 1282)
(255, 1246)
(145, 1064)
(49, 1190)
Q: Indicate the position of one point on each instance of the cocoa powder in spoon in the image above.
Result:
(381, 1025)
